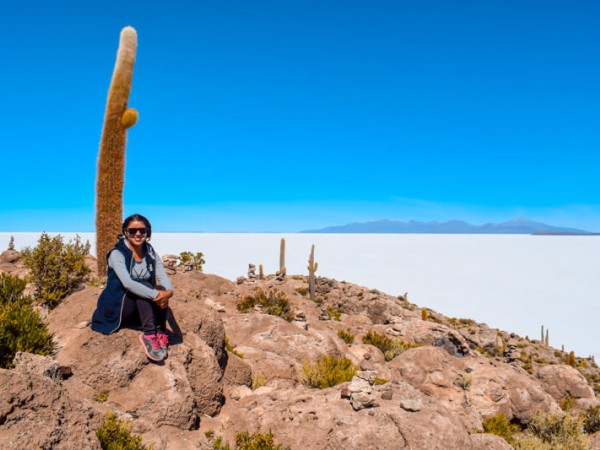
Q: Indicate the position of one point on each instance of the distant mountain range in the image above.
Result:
(517, 226)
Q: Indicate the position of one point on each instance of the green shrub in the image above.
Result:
(57, 269)
(11, 288)
(246, 441)
(379, 381)
(96, 282)
(195, 261)
(465, 382)
(101, 397)
(346, 336)
(115, 434)
(333, 313)
(257, 441)
(328, 371)
(302, 290)
(209, 434)
(273, 302)
(21, 328)
(557, 432)
(567, 402)
(390, 347)
(231, 349)
(500, 426)
(258, 381)
(591, 420)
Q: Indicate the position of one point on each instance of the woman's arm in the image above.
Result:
(116, 261)
(161, 276)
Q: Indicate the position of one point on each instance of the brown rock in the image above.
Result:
(435, 334)
(561, 381)
(320, 419)
(237, 372)
(486, 441)
(35, 412)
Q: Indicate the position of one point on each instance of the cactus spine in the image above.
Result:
(282, 257)
(312, 268)
(111, 158)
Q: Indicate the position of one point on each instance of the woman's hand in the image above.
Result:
(162, 299)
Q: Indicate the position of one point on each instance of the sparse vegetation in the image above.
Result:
(195, 261)
(21, 328)
(101, 397)
(333, 313)
(96, 282)
(567, 402)
(257, 441)
(258, 381)
(465, 382)
(246, 441)
(346, 336)
(390, 347)
(379, 381)
(271, 302)
(319, 300)
(552, 432)
(302, 291)
(115, 434)
(231, 349)
(591, 420)
(500, 426)
(328, 371)
(57, 269)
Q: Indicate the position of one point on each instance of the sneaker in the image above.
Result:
(152, 348)
(163, 342)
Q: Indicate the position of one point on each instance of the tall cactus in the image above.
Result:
(312, 268)
(111, 158)
(282, 257)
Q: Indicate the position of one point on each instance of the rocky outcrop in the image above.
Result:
(434, 396)
(37, 412)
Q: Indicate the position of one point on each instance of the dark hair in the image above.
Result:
(137, 218)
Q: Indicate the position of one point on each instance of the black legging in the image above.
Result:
(137, 310)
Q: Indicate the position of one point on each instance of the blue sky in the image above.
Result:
(290, 115)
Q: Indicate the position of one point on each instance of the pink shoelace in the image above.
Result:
(155, 341)
(162, 339)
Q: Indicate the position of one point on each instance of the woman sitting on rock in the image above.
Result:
(137, 289)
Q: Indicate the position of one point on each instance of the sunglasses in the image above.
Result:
(134, 231)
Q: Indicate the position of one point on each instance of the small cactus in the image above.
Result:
(424, 313)
(312, 268)
(547, 340)
(261, 274)
(282, 257)
(542, 339)
(571, 360)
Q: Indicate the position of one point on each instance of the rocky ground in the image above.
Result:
(432, 396)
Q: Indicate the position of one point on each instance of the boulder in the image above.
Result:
(37, 412)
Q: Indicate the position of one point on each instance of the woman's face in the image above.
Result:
(136, 233)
